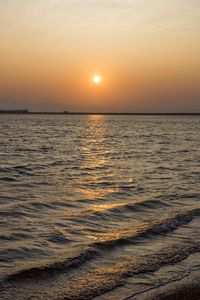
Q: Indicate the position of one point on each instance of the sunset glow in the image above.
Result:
(141, 56)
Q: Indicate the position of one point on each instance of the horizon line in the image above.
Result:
(26, 111)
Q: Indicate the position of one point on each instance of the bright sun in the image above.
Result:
(97, 79)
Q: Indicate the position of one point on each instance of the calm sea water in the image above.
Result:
(103, 206)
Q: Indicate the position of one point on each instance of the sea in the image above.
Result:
(98, 206)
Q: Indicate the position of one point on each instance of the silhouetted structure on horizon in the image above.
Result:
(16, 111)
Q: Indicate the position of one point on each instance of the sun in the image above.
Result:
(97, 79)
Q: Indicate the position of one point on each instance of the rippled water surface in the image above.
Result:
(88, 202)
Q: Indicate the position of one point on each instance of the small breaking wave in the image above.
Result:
(104, 278)
(97, 249)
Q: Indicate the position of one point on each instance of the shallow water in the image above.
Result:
(88, 202)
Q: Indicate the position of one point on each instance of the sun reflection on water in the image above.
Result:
(95, 158)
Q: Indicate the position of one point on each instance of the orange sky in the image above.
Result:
(146, 50)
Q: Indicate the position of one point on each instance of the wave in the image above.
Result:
(95, 249)
(54, 268)
(115, 208)
(105, 279)
(159, 227)
(9, 179)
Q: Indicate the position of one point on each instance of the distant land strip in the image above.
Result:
(26, 111)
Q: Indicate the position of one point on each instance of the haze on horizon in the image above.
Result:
(147, 52)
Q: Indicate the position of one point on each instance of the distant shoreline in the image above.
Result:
(26, 112)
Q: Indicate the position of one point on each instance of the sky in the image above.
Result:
(146, 51)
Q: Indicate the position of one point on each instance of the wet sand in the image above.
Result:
(185, 289)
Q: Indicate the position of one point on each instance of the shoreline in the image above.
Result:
(187, 288)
